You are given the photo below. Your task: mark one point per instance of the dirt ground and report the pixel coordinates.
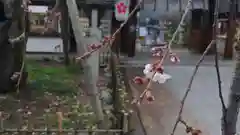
(54, 92)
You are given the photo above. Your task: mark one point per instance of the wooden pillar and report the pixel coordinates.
(228, 51)
(65, 31)
(128, 33)
(115, 25)
(211, 7)
(200, 31)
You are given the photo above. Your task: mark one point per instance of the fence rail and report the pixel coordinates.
(27, 130)
(61, 131)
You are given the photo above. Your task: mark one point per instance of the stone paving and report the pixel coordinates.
(203, 108)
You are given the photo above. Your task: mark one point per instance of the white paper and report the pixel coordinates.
(142, 31)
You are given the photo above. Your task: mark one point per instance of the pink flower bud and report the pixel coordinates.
(174, 58)
(94, 47)
(156, 49)
(159, 69)
(150, 98)
(138, 80)
(157, 54)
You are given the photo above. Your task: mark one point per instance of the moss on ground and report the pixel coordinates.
(53, 77)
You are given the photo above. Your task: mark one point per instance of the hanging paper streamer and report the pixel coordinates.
(122, 10)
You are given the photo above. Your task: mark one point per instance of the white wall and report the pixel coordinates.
(41, 44)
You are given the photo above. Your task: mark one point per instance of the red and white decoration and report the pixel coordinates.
(122, 10)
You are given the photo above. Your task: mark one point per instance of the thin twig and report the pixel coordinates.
(168, 50)
(224, 109)
(20, 76)
(17, 39)
(190, 85)
(112, 38)
(184, 123)
(216, 59)
(23, 57)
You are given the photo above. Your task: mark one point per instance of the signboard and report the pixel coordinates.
(122, 10)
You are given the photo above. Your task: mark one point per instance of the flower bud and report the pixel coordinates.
(156, 49)
(174, 58)
(157, 54)
(159, 69)
(149, 96)
(138, 80)
(196, 132)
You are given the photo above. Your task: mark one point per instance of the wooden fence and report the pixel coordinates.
(25, 130)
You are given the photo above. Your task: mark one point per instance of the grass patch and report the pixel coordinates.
(54, 89)
(53, 77)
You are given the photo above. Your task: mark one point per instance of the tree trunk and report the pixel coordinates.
(229, 128)
(65, 31)
(6, 58)
(11, 54)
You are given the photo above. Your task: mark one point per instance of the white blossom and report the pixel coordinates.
(158, 77)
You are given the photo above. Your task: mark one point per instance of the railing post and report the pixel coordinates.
(125, 123)
(1, 122)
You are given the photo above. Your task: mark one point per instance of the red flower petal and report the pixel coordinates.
(159, 69)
